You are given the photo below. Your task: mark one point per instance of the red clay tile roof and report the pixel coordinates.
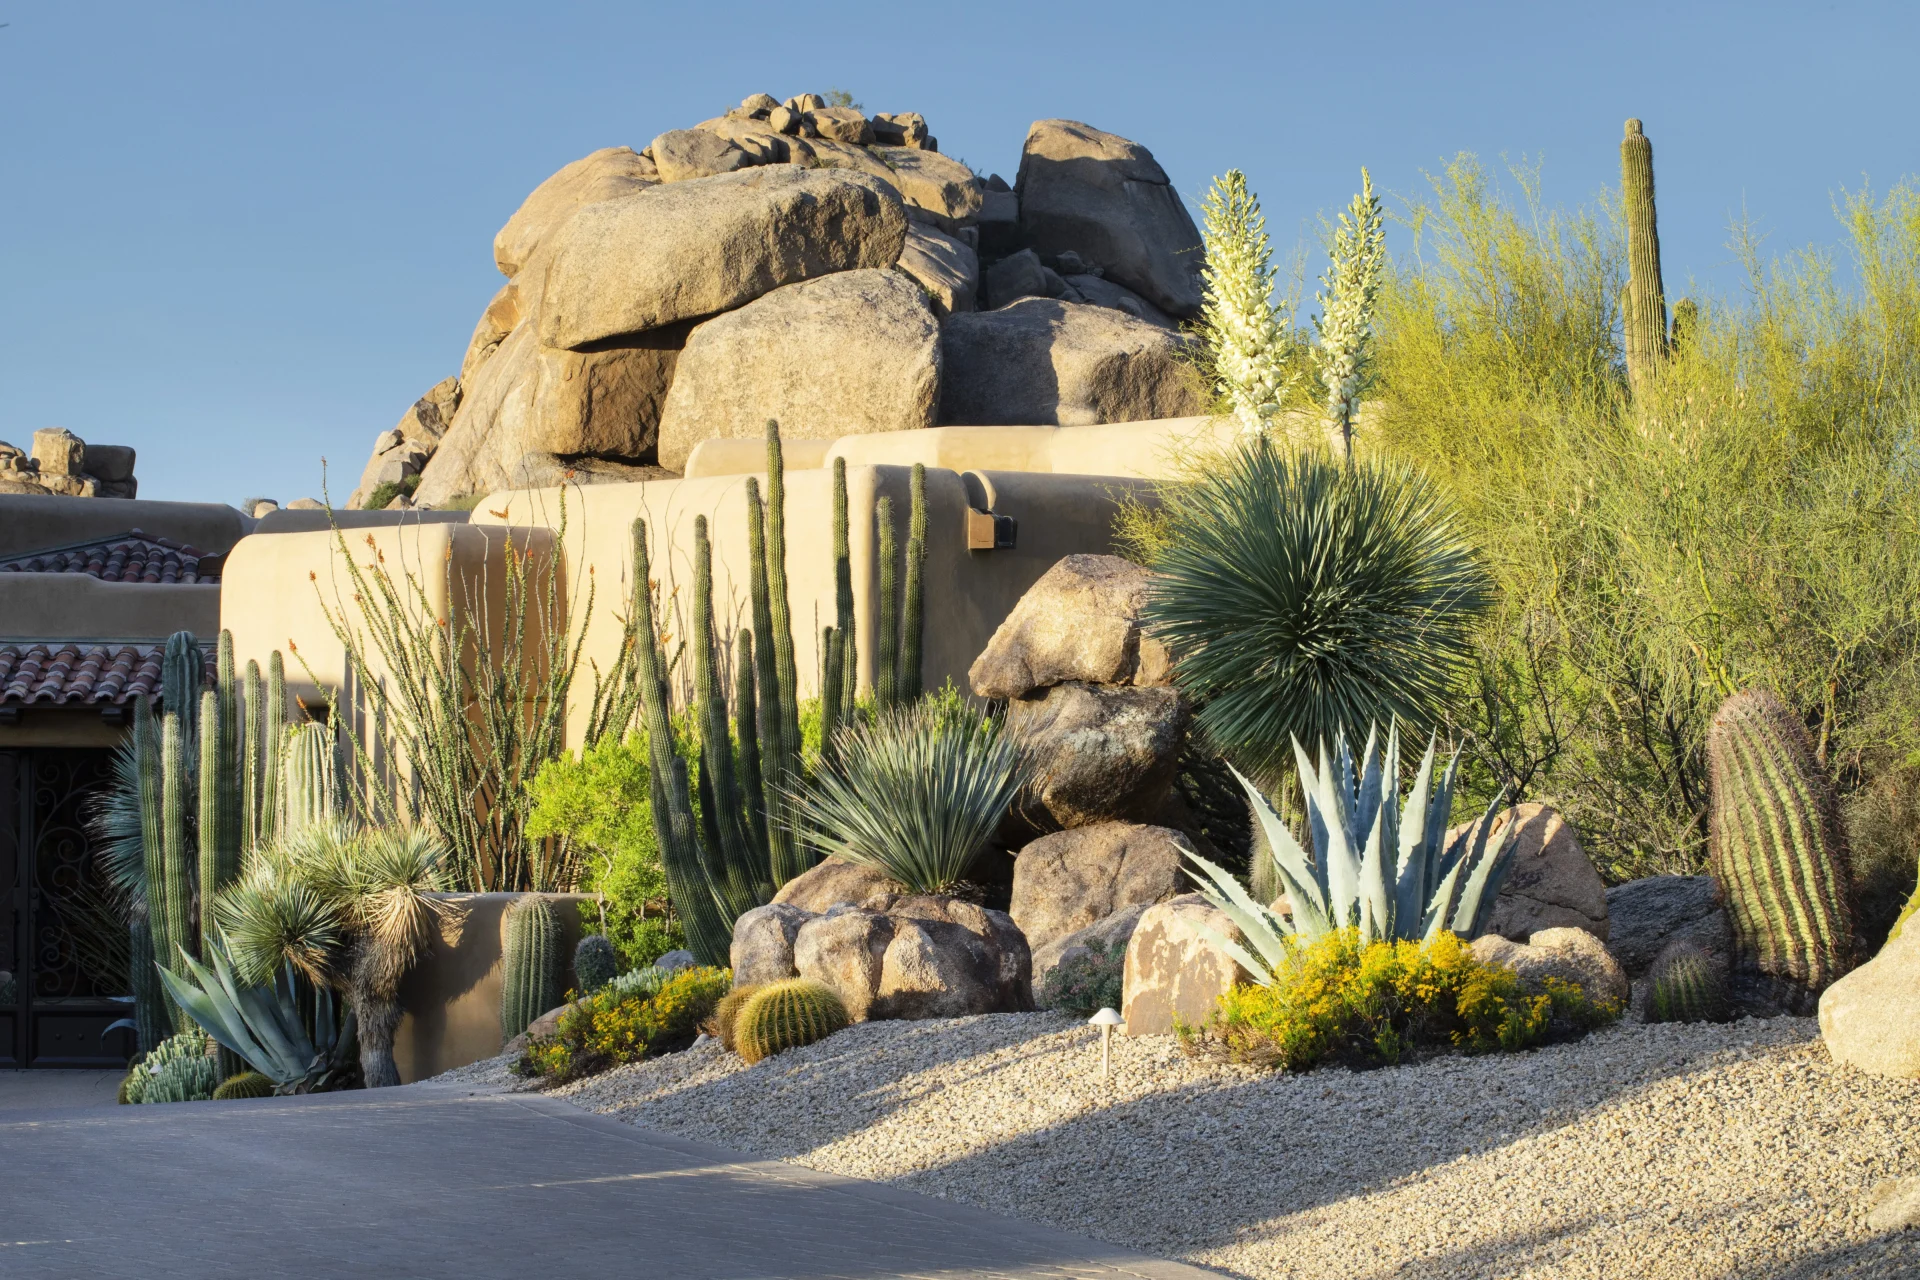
(132, 557)
(81, 675)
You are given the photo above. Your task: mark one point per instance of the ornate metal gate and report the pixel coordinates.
(63, 943)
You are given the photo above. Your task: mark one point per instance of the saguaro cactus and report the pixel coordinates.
(1778, 849)
(1646, 314)
(530, 964)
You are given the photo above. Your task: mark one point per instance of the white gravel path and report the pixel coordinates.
(1645, 1152)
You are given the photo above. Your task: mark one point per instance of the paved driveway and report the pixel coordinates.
(446, 1181)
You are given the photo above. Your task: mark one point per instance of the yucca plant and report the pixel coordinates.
(1298, 596)
(1388, 872)
(1249, 340)
(917, 792)
(1352, 286)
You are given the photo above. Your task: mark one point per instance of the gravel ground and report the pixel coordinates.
(1649, 1152)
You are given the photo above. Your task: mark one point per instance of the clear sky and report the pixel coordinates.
(243, 236)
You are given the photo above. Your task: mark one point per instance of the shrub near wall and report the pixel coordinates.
(610, 1027)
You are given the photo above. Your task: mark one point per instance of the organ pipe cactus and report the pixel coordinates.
(886, 634)
(1777, 848)
(530, 964)
(1389, 872)
(309, 782)
(786, 691)
(248, 715)
(175, 896)
(182, 670)
(912, 614)
(843, 624)
(273, 717)
(1646, 312)
(787, 1015)
(779, 755)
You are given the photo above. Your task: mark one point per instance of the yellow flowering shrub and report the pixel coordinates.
(610, 1027)
(1368, 1004)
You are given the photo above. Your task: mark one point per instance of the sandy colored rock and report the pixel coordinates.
(110, 463)
(1042, 362)
(417, 434)
(495, 408)
(1021, 275)
(1080, 621)
(1097, 292)
(606, 401)
(1106, 198)
(1643, 916)
(1871, 1017)
(853, 352)
(1111, 934)
(690, 249)
(841, 124)
(1071, 880)
(59, 452)
(1571, 955)
(917, 956)
(762, 143)
(604, 175)
(763, 944)
(1176, 966)
(1894, 1204)
(942, 188)
(899, 129)
(945, 267)
(831, 882)
(500, 318)
(684, 154)
(1099, 753)
(1550, 883)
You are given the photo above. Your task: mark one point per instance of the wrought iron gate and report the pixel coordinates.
(63, 945)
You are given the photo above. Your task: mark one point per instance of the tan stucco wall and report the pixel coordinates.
(75, 606)
(29, 522)
(452, 996)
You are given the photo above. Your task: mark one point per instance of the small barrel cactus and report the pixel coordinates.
(247, 1084)
(726, 1015)
(1684, 985)
(787, 1015)
(530, 981)
(594, 963)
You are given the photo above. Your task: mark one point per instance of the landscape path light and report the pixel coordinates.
(1106, 1020)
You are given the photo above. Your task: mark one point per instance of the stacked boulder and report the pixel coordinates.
(813, 264)
(1091, 698)
(62, 463)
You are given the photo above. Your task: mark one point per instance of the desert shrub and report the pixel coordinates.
(611, 1027)
(1367, 1004)
(1746, 518)
(1883, 834)
(1298, 595)
(916, 791)
(1087, 981)
(599, 803)
(387, 490)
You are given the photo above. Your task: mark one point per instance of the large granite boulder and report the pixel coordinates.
(415, 436)
(1043, 362)
(1643, 916)
(763, 942)
(1098, 292)
(851, 352)
(1176, 966)
(831, 882)
(684, 154)
(1568, 954)
(917, 956)
(1080, 621)
(606, 174)
(1551, 883)
(689, 249)
(1099, 753)
(495, 413)
(1110, 934)
(1871, 1017)
(607, 401)
(1107, 199)
(945, 267)
(1070, 880)
(937, 188)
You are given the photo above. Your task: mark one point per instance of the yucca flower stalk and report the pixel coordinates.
(1247, 335)
(1352, 286)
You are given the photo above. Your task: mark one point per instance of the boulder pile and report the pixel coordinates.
(810, 263)
(63, 463)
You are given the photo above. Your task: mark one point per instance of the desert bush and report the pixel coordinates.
(917, 791)
(610, 1027)
(1088, 981)
(1343, 1000)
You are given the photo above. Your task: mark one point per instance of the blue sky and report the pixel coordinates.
(242, 237)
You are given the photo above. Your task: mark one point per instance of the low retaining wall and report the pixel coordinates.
(452, 996)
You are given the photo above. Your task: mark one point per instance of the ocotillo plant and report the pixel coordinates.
(1778, 849)
(529, 965)
(1646, 314)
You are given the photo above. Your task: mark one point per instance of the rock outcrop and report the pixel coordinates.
(1871, 1017)
(1098, 752)
(831, 882)
(1072, 880)
(62, 463)
(1080, 621)
(647, 302)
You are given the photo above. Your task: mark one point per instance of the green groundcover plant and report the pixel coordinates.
(614, 1026)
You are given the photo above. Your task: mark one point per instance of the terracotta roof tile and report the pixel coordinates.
(131, 557)
(81, 675)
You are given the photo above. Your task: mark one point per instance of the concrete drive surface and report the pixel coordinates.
(449, 1181)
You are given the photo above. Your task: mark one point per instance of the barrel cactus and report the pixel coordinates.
(1778, 851)
(1684, 985)
(787, 1015)
(530, 982)
(594, 963)
(248, 1084)
(726, 1015)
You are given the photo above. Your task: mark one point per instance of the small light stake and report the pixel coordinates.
(1106, 1020)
